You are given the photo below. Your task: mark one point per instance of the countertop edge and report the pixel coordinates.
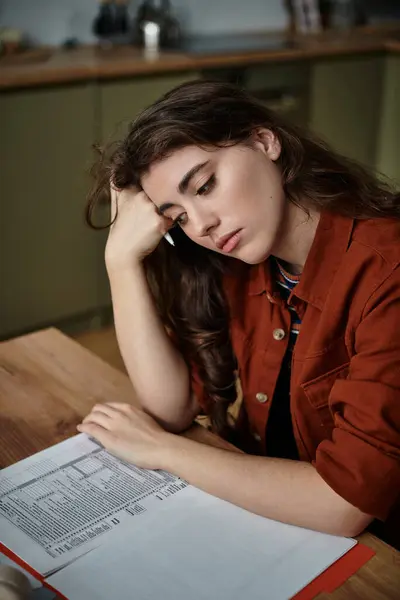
(92, 68)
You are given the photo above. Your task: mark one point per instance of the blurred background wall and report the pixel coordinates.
(52, 21)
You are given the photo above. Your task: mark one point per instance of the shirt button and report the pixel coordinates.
(278, 334)
(262, 398)
(257, 437)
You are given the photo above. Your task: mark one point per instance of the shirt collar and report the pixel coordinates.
(330, 244)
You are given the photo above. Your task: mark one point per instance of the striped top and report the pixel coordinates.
(287, 282)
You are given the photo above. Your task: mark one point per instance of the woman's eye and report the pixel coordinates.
(206, 187)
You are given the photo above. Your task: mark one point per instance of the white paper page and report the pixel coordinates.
(62, 502)
(198, 548)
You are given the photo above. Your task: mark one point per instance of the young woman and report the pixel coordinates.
(285, 277)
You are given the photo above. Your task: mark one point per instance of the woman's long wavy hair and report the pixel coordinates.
(186, 280)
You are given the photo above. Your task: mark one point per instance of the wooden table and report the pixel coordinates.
(48, 382)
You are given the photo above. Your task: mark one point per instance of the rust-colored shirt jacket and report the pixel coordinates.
(345, 382)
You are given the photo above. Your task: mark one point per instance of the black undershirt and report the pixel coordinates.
(279, 439)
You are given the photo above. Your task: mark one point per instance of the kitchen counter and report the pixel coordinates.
(57, 66)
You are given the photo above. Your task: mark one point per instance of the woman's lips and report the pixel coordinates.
(231, 243)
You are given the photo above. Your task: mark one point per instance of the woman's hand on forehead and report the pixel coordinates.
(119, 196)
(136, 230)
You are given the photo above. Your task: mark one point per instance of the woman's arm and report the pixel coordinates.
(157, 370)
(284, 490)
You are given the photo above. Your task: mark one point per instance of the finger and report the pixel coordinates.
(130, 194)
(106, 409)
(118, 198)
(167, 224)
(98, 433)
(120, 407)
(100, 419)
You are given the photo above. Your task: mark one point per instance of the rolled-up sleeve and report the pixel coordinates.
(361, 461)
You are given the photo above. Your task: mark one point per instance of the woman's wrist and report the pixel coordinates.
(173, 450)
(117, 267)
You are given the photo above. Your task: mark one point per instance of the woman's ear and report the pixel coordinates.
(266, 141)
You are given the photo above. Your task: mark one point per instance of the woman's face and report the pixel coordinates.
(229, 200)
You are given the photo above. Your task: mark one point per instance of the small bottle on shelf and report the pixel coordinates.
(104, 23)
(121, 18)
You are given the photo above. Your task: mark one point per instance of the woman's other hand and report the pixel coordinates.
(129, 433)
(136, 230)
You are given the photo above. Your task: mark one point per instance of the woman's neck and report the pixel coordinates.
(296, 237)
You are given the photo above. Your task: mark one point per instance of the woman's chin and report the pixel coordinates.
(253, 257)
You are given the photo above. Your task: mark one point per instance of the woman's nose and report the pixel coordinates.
(204, 224)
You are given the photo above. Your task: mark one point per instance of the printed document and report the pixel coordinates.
(97, 528)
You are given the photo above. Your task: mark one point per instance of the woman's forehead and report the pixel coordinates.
(182, 159)
(168, 172)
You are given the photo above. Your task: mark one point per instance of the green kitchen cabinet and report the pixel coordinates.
(388, 147)
(122, 100)
(51, 263)
(346, 98)
(284, 88)
(281, 87)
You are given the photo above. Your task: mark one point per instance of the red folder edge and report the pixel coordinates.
(332, 578)
(339, 572)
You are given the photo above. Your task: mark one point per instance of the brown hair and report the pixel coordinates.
(186, 280)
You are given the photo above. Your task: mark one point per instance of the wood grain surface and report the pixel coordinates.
(48, 382)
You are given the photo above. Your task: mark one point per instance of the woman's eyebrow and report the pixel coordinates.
(184, 183)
